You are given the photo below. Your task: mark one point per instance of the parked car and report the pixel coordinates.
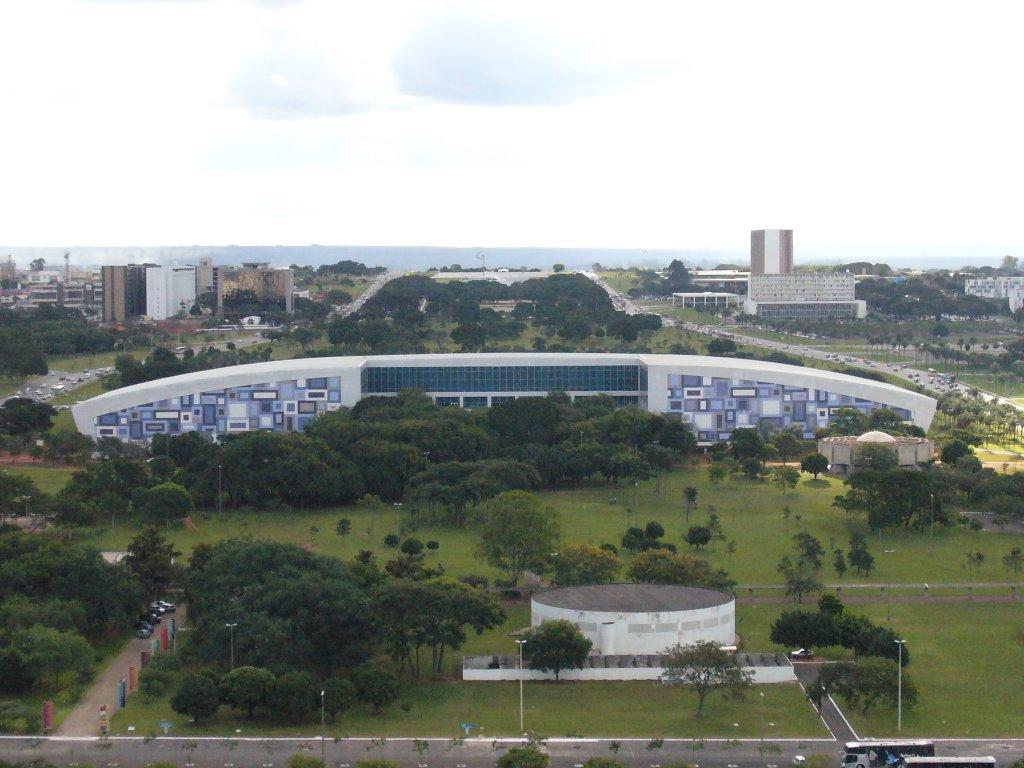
(143, 632)
(803, 653)
(140, 624)
(167, 607)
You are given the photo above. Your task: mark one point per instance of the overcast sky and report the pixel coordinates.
(867, 127)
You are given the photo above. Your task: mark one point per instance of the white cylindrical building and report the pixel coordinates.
(640, 618)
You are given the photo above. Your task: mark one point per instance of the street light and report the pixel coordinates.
(231, 628)
(323, 730)
(899, 686)
(220, 503)
(761, 694)
(931, 519)
(521, 643)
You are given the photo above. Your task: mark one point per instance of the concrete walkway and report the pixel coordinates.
(84, 719)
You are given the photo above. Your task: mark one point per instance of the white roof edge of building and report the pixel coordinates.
(86, 412)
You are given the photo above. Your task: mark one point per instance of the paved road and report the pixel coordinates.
(83, 720)
(239, 751)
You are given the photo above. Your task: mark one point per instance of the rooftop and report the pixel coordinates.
(632, 598)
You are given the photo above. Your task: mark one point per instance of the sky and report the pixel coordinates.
(869, 128)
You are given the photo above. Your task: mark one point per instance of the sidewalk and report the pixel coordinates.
(84, 719)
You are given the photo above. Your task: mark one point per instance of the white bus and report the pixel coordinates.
(878, 754)
(949, 762)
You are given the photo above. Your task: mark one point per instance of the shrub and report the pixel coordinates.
(412, 546)
(433, 546)
(391, 540)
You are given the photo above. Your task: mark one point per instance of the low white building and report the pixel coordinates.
(640, 618)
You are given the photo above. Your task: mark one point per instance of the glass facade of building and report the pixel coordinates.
(506, 378)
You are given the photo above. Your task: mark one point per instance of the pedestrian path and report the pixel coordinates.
(84, 719)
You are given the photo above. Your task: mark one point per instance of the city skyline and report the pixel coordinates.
(886, 130)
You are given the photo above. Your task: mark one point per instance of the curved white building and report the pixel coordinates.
(640, 618)
(714, 395)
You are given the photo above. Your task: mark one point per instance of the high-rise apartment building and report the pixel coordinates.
(771, 251)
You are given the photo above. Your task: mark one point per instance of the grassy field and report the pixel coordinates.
(47, 479)
(751, 515)
(552, 709)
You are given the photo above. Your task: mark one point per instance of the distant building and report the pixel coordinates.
(804, 296)
(169, 290)
(841, 452)
(8, 271)
(706, 299)
(1001, 287)
(124, 292)
(771, 251)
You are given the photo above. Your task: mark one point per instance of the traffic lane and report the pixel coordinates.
(240, 750)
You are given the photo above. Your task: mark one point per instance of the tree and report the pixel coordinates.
(839, 563)
(717, 472)
(25, 416)
(294, 695)
(704, 667)
(787, 444)
(875, 456)
(376, 686)
(690, 494)
(558, 268)
(800, 577)
(659, 566)
(339, 695)
(859, 558)
(585, 564)
(809, 550)
(557, 645)
(803, 629)
(48, 653)
(873, 681)
(698, 536)
(412, 546)
(785, 478)
(746, 443)
(166, 502)
(344, 527)
(197, 697)
(954, 450)
(814, 464)
(1014, 560)
(523, 757)
(246, 688)
(150, 559)
(517, 534)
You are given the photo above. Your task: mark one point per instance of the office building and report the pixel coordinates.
(124, 292)
(1000, 287)
(806, 296)
(712, 395)
(169, 291)
(771, 251)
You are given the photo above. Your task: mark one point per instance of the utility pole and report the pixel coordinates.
(899, 687)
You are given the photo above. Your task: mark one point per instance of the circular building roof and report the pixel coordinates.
(632, 598)
(876, 437)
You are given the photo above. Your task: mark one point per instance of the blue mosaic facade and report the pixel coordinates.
(716, 406)
(280, 406)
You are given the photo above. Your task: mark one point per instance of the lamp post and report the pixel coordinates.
(899, 686)
(931, 521)
(323, 729)
(520, 643)
(761, 750)
(220, 503)
(231, 629)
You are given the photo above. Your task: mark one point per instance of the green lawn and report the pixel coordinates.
(552, 709)
(47, 479)
(751, 514)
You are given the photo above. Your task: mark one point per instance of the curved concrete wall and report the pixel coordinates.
(645, 633)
